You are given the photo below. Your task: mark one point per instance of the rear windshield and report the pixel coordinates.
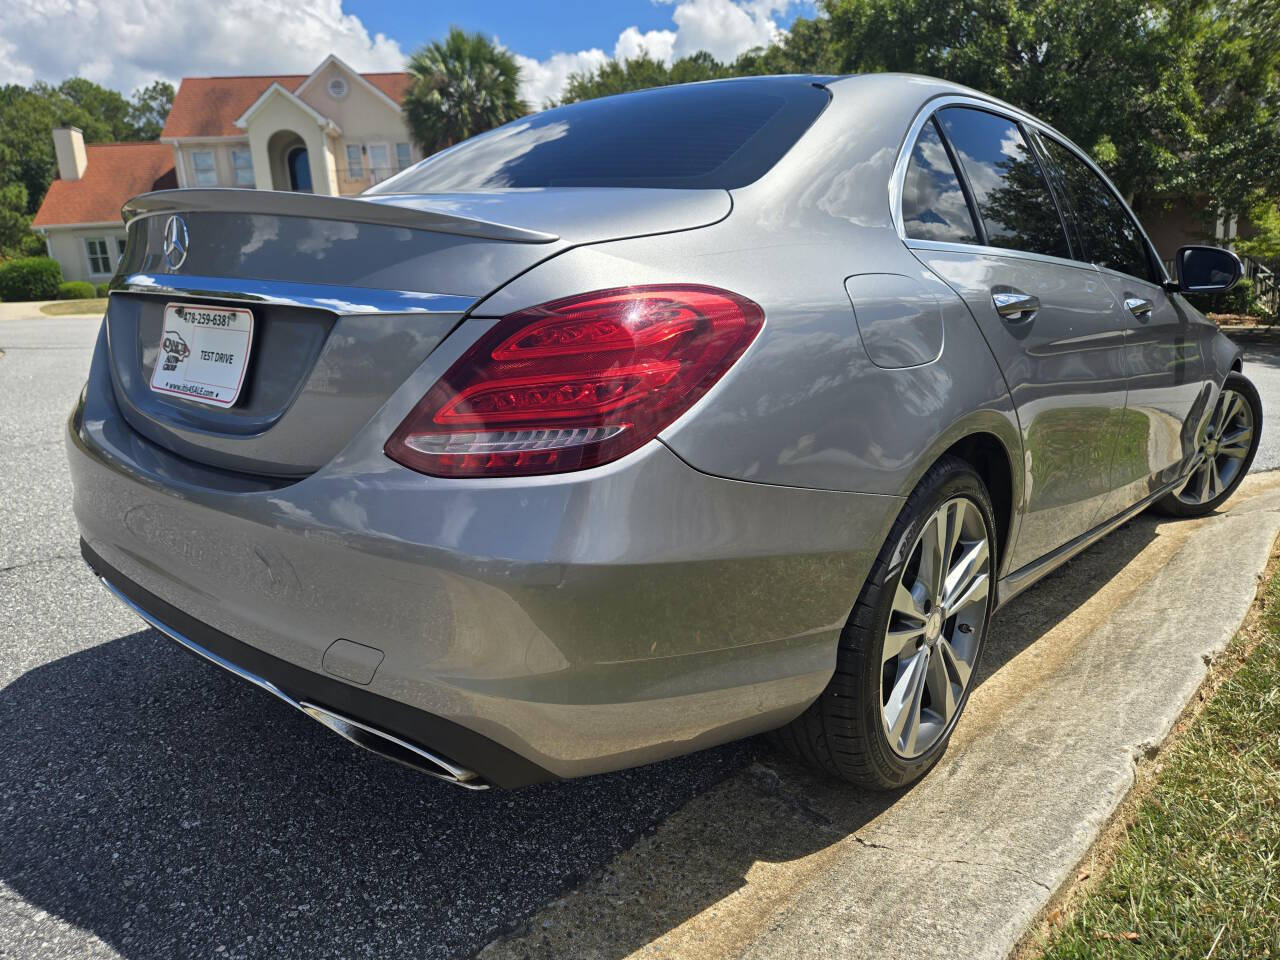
(723, 135)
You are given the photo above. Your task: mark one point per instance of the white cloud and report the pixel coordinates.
(659, 44)
(724, 28)
(125, 44)
(542, 80)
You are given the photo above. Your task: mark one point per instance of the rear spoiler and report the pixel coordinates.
(412, 212)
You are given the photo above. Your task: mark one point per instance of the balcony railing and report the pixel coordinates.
(356, 179)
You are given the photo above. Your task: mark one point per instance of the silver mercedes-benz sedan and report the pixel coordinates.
(646, 423)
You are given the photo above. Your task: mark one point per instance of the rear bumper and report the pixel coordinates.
(553, 627)
(382, 725)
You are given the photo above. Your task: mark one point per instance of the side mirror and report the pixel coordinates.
(1207, 269)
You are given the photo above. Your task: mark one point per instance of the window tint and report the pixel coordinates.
(1013, 199)
(933, 203)
(707, 135)
(1108, 234)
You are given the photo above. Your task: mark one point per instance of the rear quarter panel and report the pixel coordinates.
(806, 406)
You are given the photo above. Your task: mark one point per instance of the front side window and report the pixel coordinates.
(242, 167)
(355, 161)
(1110, 236)
(1004, 176)
(99, 258)
(206, 171)
(933, 203)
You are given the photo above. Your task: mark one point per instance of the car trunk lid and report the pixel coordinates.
(347, 296)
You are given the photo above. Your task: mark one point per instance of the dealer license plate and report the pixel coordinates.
(204, 352)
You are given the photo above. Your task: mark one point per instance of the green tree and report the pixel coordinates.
(149, 109)
(641, 72)
(806, 48)
(1264, 244)
(463, 85)
(27, 119)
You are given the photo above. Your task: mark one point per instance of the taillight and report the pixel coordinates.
(576, 382)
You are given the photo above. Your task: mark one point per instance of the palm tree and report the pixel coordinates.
(462, 86)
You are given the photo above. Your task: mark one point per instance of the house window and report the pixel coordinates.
(403, 159)
(337, 88)
(242, 167)
(206, 172)
(121, 244)
(355, 161)
(99, 258)
(379, 161)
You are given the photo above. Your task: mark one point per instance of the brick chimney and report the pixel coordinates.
(68, 144)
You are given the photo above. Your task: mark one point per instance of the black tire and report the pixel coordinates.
(842, 732)
(1174, 504)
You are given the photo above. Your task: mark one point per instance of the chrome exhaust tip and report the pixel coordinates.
(393, 748)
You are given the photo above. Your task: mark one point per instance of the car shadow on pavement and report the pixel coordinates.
(172, 810)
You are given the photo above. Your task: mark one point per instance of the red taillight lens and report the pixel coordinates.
(576, 382)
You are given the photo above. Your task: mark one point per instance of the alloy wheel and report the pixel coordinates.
(935, 628)
(1224, 447)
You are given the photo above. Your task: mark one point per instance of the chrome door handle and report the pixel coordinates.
(1138, 307)
(1014, 304)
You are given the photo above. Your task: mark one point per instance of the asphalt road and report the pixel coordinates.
(152, 806)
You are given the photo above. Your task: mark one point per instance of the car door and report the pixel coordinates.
(1166, 372)
(1050, 320)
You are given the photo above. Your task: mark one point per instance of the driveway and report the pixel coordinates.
(152, 807)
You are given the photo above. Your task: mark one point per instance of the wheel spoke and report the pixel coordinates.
(959, 668)
(1231, 409)
(1203, 481)
(1237, 445)
(975, 591)
(971, 564)
(907, 601)
(903, 709)
(943, 695)
(901, 642)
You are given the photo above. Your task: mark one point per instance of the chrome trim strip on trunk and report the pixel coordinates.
(317, 296)
(420, 213)
(370, 738)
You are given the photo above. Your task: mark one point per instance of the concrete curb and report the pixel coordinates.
(1083, 674)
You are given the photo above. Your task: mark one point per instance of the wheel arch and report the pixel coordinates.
(991, 444)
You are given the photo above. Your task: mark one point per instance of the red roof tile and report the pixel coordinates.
(210, 106)
(116, 173)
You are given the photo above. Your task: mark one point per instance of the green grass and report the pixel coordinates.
(1198, 871)
(67, 308)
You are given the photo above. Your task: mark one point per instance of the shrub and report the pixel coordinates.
(31, 278)
(1240, 299)
(76, 290)
(103, 289)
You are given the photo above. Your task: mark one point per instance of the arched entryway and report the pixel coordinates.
(290, 162)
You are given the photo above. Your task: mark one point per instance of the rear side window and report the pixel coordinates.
(1004, 176)
(933, 203)
(723, 135)
(1110, 236)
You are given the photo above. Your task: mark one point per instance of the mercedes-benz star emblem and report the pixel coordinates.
(175, 242)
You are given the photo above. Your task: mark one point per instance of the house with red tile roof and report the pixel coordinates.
(332, 131)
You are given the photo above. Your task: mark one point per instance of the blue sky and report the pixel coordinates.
(533, 29)
(124, 44)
